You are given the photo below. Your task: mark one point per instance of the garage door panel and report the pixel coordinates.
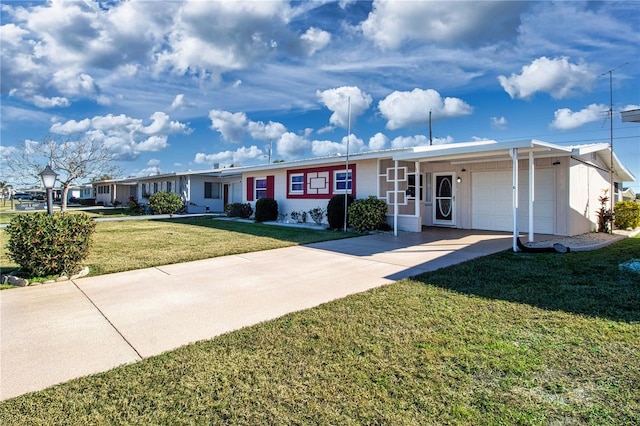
(491, 204)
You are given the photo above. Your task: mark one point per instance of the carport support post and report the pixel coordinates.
(513, 152)
(395, 198)
(531, 194)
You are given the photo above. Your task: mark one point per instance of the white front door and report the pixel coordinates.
(444, 199)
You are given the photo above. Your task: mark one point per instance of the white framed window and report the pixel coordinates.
(342, 182)
(212, 190)
(260, 188)
(296, 183)
(428, 191)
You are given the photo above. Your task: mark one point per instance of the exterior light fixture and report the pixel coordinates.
(48, 177)
(459, 179)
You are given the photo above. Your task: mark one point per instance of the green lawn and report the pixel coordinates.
(531, 339)
(134, 244)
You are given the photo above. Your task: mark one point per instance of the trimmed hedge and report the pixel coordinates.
(368, 214)
(335, 210)
(46, 245)
(627, 214)
(165, 203)
(266, 210)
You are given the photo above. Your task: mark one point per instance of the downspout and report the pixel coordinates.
(513, 152)
(531, 194)
(395, 198)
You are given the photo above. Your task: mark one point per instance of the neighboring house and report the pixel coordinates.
(201, 191)
(114, 191)
(521, 186)
(628, 194)
(80, 192)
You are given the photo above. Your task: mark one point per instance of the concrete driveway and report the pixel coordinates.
(56, 332)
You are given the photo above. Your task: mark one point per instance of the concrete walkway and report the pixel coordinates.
(56, 332)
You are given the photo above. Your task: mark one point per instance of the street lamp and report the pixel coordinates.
(49, 180)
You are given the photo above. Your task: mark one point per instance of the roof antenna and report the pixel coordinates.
(430, 132)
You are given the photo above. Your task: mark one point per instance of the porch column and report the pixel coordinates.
(416, 198)
(395, 198)
(513, 152)
(531, 194)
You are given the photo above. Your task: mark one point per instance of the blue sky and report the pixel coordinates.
(178, 85)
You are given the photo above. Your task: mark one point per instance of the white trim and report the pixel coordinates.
(513, 152)
(531, 194)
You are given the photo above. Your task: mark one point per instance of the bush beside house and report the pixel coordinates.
(335, 210)
(243, 211)
(165, 203)
(266, 210)
(627, 214)
(368, 214)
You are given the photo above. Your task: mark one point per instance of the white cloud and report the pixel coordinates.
(378, 141)
(327, 148)
(236, 157)
(125, 136)
(499, 123)
(402, 109)
(630, 107)
(291, 145)
(326, 129)
(391, 22)
(230, 125)
(270, 131)
(154, 162)
(558, 77)
(337, 100)
(566, 119)
(54, 102)
(179, 102)
(70, 127)
(417, 140)
(315, 39)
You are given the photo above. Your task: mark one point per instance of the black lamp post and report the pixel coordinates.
(49, 180)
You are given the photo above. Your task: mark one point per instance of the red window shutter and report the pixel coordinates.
(249, 189)
(270, 186)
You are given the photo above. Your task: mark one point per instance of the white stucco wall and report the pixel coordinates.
(589, 184)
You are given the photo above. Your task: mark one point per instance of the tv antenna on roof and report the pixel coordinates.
(610, 72)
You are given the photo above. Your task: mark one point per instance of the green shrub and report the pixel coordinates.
(368, 214)
(135, 208)
(243, 211)
(266, 209)
(45, 244)
(317, 215)
(335, 210)
(165, 203)
(627, 214)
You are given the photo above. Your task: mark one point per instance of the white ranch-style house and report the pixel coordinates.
(521, 186)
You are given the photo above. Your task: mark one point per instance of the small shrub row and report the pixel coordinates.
(243, 211)
(46, 245)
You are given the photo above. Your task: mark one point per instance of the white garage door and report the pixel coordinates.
(492, 209)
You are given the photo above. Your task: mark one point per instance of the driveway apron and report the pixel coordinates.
(52, 333)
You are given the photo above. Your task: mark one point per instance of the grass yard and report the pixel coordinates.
(126, 245)
(506, 339)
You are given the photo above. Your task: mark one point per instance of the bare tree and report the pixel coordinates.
(74, 159)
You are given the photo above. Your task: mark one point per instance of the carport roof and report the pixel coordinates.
(490, 150)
